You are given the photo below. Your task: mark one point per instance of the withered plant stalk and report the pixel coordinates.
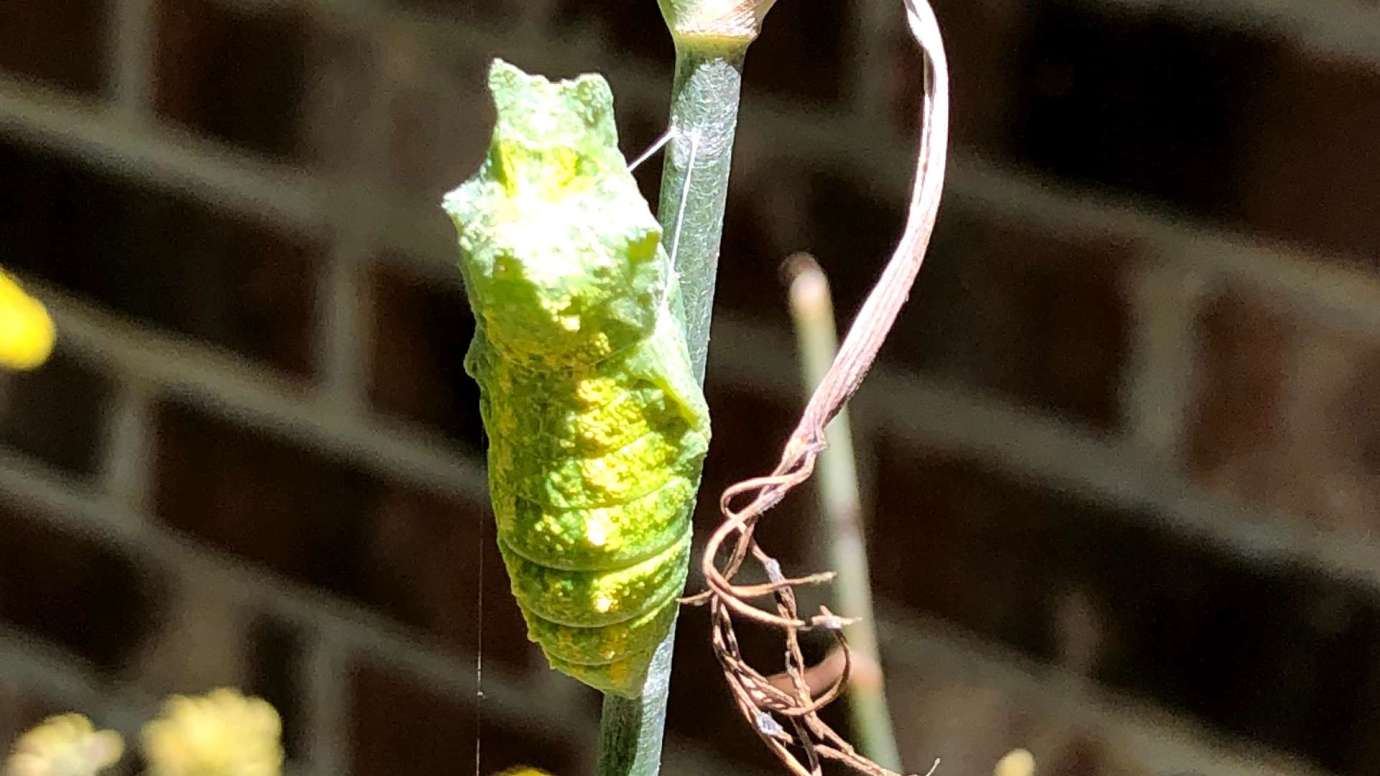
(787, 721)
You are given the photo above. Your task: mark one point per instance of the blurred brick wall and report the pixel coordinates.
(1123, 453)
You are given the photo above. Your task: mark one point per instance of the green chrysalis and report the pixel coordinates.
(597, 428)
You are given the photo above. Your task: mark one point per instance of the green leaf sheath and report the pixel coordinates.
(597, 427)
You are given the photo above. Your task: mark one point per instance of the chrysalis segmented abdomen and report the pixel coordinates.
(597, 428)
(593, 495)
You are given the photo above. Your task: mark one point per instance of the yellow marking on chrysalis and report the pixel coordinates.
(607, 417)
(603, 603)
(27, 333)
(630, 471)
(597, 531)
(555, 170)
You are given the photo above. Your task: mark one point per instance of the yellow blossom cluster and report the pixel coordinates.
(26, 330)
(65, 745)
(222, 733)
(1017, 762)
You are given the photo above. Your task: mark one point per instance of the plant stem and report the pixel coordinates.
(812, 310)
(694, 189)
(631, 729)
(694, 178)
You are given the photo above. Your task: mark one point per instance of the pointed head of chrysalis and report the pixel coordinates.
(558, 248)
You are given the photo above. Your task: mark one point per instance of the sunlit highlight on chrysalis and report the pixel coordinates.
(597, 428)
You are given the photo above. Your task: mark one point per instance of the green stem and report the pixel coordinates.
(694, 190)
(694, 178)
(631, 729)
(812, 309)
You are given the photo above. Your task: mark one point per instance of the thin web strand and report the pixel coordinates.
(479, 656)
(657, 145)
(684, 198)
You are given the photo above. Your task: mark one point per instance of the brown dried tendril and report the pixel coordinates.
(787, 720)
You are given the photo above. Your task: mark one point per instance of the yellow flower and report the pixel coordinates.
(222, 733)
(26, 331)
(522, 770)
(65, 745)
(1017, 762)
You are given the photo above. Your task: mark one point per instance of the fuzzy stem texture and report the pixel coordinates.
(694, 190)
(694, 179)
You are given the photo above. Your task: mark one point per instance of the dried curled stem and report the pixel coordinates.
(787, 720)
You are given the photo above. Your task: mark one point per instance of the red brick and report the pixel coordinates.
(767, 202)
(1148, 102)
(202, 641)
(212, 637)
(421, 569)
(1312, 168)
(1277, 653)
(398, 721)
(160, 257)
(853, 227)
(335, 133)
(750, 428)
(954, 539)
(56, 413)
(630, 30)
(496, 12)
(439, 117)
(21, 708)
(290, 509)
(983, 42)
(277, 675)
(1284, 414)
(89, 599)
(324, 522)
(1041, 318)
(971, 714)
(804, 56)
(1240, 390)
(236, 75)
(62, 44)
(778, 205)
(420, 335)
